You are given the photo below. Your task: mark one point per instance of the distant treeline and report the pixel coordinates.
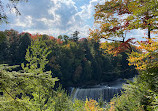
(76, 62)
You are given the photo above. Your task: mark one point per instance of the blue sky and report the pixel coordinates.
(53, 17)
(56, 17)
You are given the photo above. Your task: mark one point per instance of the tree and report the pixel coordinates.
(64, 38)
(2, 36)
(36, 56)
(145, 17)
(116, 17)
(75, 36)
(30, 89)
(12, 37)
(3, 13)
(148, 56)
(24, 42)
(12, 6)
(4, 47)
(141, 94)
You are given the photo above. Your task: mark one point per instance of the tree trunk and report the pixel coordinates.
(149, 32)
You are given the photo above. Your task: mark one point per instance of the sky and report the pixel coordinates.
(56, 17)
(53, 17)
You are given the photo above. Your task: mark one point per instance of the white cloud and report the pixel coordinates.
(53, 17)
(63, 12)
(58, 17)
(88, 10)
(27, 22)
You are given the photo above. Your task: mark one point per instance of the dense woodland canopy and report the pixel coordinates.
(75, 62)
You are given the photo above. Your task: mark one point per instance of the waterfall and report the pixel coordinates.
(106, 93)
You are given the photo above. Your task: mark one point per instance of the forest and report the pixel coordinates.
(75, 62)
(37, 69)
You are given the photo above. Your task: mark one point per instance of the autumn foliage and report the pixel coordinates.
(92, 105)
(117, 47)
(148, 55)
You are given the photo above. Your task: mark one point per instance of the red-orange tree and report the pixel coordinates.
(117, 17)
(148, 56)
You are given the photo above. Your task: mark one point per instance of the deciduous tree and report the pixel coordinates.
(116, 17)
